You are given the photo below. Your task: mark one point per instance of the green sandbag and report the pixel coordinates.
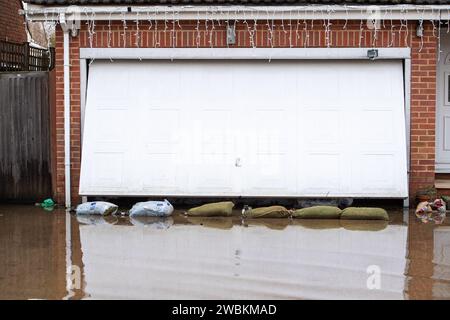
(318, 212)
(218, 209)
(267, 212)
(353, 213)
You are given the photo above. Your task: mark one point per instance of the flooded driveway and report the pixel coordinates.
(220, 258)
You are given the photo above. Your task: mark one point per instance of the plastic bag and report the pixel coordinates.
(97, 208)
(152, 209)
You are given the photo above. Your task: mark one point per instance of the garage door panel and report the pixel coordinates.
(155, 178)
(108, 169)
(326, 178)
(377, 172)
(319, 85)
(377, 127)
(214, 174)
(245, 128)
(323, 128)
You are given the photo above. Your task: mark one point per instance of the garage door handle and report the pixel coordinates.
(238, 162)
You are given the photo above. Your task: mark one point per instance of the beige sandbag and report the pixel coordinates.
(354, 213)
(218, 209)
(318, 212)
(266, 212)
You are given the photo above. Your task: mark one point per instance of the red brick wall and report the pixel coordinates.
(186, 35)
(12, 27)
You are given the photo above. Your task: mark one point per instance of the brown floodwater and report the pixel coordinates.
(55, 255)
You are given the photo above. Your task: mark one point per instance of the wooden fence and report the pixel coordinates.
(23, 57)
(25, 136)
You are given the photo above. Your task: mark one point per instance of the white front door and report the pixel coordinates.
(443, 109)
(245, 128)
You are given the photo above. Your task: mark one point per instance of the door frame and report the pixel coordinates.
(442, 98)
(88, 55)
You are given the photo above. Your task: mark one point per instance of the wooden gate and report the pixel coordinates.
(25, 138)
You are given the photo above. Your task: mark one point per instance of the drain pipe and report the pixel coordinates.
(66, 31)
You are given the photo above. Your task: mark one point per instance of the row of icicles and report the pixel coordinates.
(296, 29)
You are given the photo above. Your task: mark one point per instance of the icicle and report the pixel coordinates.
(327, 26)
(255, 32)
(361, 30)
(197, 28)
(137, 34)
(407, 30)
(400, 29)
(439, 37)
(346, 17)
(433, 23)
(211, 34)
(306, 32)
(282, 24)
(290, 29)
(124, 21)
(421, 38)
(297, 28)
(174, 33)
(91, 31)
(391, 43)
(109, 31)
(269, 30)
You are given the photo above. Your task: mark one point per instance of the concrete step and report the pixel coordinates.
(442, 183)
(442, 186)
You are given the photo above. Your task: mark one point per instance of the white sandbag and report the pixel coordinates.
(97, 208)
(152, 209)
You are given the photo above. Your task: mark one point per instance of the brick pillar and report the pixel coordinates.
(423, 110)
(75, 115)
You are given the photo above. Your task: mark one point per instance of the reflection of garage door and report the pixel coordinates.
(250, 128)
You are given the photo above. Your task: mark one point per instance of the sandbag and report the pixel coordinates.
(318, 212)
(354, 213)
(97, 208)
(218, 209)
(152, 209)
(266, 212)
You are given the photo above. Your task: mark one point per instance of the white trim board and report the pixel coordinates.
(241, 53)
(239, 12)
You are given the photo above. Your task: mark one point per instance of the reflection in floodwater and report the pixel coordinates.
(220, 258)
(198, 261)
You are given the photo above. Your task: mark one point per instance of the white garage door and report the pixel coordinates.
(245, 128)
